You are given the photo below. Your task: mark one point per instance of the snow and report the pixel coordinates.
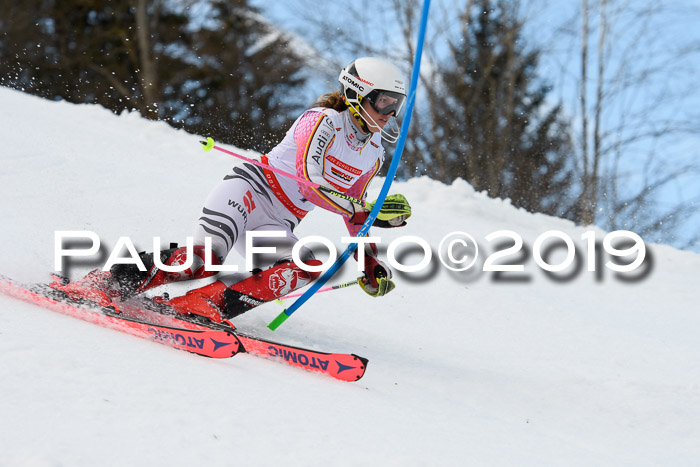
(464, 369)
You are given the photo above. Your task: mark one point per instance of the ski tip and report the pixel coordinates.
(277, 322)
(207, 145)
(364, 360)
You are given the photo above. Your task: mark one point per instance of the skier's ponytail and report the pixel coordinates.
(332, 100)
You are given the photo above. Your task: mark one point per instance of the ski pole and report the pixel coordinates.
(324, 289)
(208, 145)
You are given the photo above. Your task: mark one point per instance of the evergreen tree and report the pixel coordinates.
(491, 122)
(245, 82)
(220, 72)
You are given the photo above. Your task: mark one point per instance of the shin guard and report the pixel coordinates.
(265, 286)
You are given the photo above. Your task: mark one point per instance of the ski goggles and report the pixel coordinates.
(386, 102)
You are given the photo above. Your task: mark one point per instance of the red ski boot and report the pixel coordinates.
(206, 301)
(231, 297)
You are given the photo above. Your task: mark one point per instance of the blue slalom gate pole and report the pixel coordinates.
(284, 315)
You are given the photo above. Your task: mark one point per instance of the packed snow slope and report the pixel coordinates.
(472, 368)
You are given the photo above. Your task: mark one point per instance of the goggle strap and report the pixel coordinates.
(354, 110)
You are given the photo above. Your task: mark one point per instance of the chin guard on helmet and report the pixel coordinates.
(355, 112)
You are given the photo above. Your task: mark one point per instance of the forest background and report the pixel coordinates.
(586, 110)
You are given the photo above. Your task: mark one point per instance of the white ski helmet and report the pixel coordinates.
(381, 83)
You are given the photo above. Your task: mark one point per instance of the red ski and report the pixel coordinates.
(207, 342)
(342, 366)
(345, 367)
(143, 318)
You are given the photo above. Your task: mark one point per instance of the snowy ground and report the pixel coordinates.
(465, 369)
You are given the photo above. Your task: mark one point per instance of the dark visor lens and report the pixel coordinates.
(386, 102)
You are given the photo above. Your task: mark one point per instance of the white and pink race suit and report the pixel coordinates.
(323, 146)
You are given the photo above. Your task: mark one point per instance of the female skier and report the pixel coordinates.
(335, 144)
